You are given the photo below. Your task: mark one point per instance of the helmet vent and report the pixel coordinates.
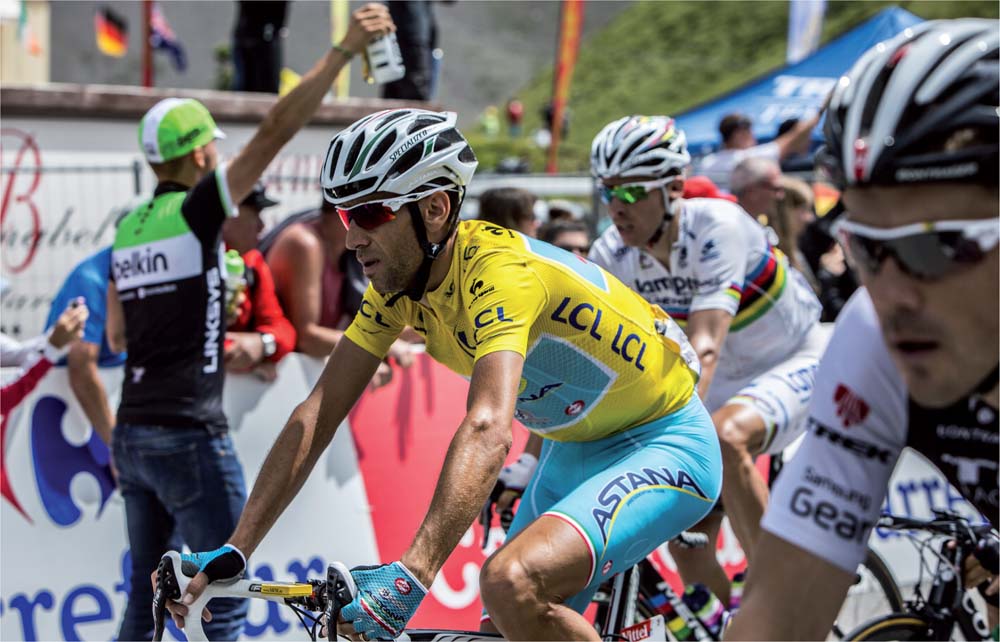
(396, 115)
(381, 149)
(353, 152)
(422, 123)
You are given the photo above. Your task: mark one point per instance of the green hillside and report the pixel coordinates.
(664, 57)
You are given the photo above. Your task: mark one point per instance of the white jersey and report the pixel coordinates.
(829, 496)
(722, 260)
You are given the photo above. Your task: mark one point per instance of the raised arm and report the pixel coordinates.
(296, 108)
(115, 324)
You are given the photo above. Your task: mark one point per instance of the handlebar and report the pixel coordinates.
(979, 539)
(173, 577)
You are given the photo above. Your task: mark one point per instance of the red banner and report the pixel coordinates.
(571, 26)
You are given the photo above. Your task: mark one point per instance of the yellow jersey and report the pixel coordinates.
(598, 358)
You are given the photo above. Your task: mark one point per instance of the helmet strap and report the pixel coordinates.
(668, 215)
(418, 286)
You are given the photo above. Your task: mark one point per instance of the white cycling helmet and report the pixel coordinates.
(893, 118)
(639, 146)
(401, 151)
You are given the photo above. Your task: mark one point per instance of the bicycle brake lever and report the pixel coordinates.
(340, 591)
(167, 588)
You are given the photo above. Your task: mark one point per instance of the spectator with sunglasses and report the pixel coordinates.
(572, 236)
(911, 137)
(751, 317)
(602, 376)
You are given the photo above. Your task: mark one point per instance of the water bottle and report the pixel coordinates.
(235, 280)
(706, 606)
(383, 62)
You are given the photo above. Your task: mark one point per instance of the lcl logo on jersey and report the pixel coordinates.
(851, 408)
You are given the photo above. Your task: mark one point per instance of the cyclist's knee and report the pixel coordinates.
(505, 578)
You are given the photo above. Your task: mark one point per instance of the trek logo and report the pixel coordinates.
(859, 447)
(544, 390)
(213, 321)
(851, 408)
(621, 488)
(140, 263)
(844, 524)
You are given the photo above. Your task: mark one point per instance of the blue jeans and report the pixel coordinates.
(179, 485)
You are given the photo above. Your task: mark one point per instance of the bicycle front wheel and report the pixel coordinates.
(895, 626)
(873, 594)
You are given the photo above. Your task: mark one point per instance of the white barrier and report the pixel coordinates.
(62, 572)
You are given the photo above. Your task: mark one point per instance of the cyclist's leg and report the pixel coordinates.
(149, 527)
(540, 495)
(765, 416)
(701, 564)
(205, 524)
(642, 488)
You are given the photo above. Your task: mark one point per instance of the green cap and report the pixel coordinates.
(174, 127)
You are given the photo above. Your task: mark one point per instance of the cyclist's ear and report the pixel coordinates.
(436, 209)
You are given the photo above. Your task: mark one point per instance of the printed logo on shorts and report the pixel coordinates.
(575, 408)
(607, 567)
(403, 586)
(851, 408)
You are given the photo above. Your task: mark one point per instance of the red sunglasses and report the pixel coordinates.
(370, 215)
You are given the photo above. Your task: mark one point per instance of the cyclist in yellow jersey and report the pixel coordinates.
(630, 457)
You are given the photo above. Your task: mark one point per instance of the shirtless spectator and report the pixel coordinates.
(319, 283)
(260, 335)
(510, 207)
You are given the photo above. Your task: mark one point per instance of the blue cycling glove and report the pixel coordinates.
(386, 598)
(225, 564)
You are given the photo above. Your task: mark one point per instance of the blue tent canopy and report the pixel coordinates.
(792, 91)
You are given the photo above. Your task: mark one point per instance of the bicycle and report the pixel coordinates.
(947, 604)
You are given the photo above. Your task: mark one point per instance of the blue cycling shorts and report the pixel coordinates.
(628, 493)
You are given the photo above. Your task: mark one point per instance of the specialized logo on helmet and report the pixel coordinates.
(410, 142)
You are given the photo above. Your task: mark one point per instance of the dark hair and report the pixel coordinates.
(551, 230)
(506, 206)
(731, 123)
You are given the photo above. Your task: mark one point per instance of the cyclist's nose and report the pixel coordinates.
(894, 288)
(356, 237)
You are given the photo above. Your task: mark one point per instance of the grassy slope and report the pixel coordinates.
(663, 57)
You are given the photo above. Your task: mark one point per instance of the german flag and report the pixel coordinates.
(112, 33)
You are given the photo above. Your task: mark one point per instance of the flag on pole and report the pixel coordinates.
(25, 34)
(805, 26)
(111, 31)
(571, 25)
(162, 37)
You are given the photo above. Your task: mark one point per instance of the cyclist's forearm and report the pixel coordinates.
(470, 470)
(89, 391)
(305, 436)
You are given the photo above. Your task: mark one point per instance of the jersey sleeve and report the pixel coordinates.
(376, 325)
(507, 297)
(720, 264)
(208, 203)
(829, 496)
